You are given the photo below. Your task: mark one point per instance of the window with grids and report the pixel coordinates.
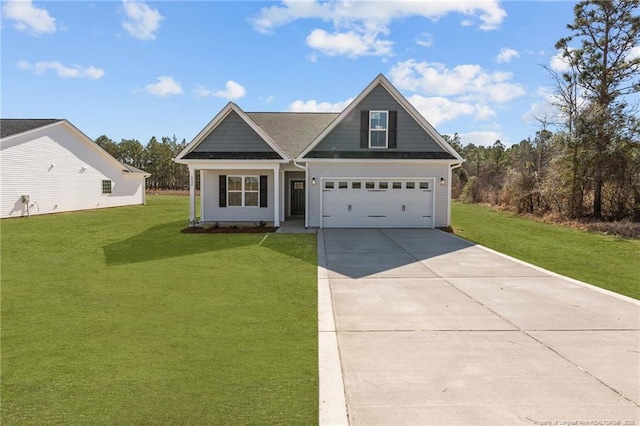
(378, 129)
(243, 191)
(106, 187)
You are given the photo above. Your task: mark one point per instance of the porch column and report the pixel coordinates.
(276, 195)
(283, 196)
(202, 195)
(192, 196)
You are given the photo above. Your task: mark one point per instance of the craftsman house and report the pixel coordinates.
(378, 163)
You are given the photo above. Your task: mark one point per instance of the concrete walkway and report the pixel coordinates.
(418, 327)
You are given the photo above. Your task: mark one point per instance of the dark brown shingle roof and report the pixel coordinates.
(13, 126)
(292, 131)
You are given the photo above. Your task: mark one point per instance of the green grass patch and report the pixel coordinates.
(609, 262)
(115, 317)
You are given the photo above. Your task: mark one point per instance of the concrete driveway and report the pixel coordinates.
(419, 327)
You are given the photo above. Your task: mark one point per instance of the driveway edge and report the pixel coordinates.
(332, 403)
(554, 274)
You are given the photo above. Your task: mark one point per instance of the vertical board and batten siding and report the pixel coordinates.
(321, 170)
(233, 134)
(214, 213)
(410, 136)
(61, 172)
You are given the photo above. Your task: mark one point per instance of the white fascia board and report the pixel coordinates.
(217, 120)
(231, 165)
(381, 161)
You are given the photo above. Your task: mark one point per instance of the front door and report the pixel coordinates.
(297, 198)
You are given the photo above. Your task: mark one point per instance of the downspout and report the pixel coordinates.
(306, 192)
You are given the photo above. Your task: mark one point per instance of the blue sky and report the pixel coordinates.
(133, 70)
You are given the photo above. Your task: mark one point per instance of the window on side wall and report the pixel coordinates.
(106, 187)
(243, 191)
(378, 129)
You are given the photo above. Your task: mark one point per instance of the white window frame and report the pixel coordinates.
(385, 130)
(243, 190)
(110, 191)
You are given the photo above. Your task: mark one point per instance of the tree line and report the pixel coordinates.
(589, 165)
(156, 158)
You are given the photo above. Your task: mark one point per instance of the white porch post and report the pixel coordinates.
(202, 195)
(276, 195)
(283, 195)
(192, 196)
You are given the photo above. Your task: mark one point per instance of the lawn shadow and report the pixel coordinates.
(165, 241)
(297, 246)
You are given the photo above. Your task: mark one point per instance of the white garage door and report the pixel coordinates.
(377, 203)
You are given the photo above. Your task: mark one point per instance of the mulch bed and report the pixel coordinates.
(228, 229)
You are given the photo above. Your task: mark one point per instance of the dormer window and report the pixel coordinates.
(378, 129)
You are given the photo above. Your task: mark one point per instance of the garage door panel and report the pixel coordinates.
(375, 203)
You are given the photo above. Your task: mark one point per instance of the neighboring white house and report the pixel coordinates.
(378, 163)
(49, 166)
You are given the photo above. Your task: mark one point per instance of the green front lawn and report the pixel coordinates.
(605, 261)
(115, 317)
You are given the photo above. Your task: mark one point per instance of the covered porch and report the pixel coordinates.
(240, 193)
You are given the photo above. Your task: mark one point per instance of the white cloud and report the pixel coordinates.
(559, 64)
(232, 91)
(542, 107)
(633, 53)
(315, 106)
(29, 18)
(141, 21)
(349, 43)
(506, 55)
(438, 110)
(425, 40)
(467, 82)
(374, 14)
(202, 92)
(165, 86)
(484, 112)
(484, 138)
(358, 25)
(63, 71)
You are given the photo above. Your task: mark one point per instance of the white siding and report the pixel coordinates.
(61, 172)
(214, 213)
(398, 169)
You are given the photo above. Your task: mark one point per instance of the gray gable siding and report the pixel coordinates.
(233, 134)
(410, 136)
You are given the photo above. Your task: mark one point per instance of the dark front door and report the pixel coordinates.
(297, 198)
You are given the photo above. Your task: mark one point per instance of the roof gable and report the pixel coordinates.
(231, 134)
(349, 118)
(22, 126)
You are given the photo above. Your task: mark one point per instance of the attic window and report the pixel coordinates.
(378, 129)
